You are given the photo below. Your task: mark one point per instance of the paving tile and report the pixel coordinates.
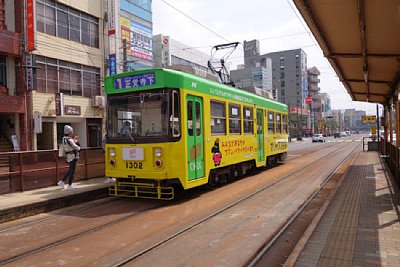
(360, 226)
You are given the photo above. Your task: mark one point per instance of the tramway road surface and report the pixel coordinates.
(225, 226)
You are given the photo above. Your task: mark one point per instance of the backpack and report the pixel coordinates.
(62, 153)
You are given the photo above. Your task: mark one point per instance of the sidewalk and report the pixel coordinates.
(23, 204)
(360, 227)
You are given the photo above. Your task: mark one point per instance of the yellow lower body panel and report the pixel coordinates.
(141, 190)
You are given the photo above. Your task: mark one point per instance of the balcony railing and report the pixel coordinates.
(392, 157)
(22, 171)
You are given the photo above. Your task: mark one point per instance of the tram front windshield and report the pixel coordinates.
(143, 116)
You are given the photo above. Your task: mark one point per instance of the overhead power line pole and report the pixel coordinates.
(124, 57)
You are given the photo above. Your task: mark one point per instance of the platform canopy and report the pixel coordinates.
(361, 39)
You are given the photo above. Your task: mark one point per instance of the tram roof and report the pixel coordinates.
(361, 40)
(169, 78)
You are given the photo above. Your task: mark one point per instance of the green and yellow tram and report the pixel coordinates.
(167, 127)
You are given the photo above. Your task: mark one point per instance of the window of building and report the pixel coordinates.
(271, 124)
(58, 76)
(278, 123)
(218, 118)
(248, 122)
(59, 20)
(3, 71)
(234, 119)
(285, 124)
(282, 83)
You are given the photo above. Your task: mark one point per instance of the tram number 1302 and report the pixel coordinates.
(134, 165)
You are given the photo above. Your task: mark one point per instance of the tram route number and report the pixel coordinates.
(134, 165)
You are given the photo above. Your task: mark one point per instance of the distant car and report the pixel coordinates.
(318, 138)
(336, 135)
(343, 134)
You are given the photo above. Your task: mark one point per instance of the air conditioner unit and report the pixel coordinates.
(98, 101)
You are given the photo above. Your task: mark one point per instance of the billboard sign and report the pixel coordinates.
(139, 37)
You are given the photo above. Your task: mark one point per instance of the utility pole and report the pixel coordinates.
(124, 57)
(377, 121)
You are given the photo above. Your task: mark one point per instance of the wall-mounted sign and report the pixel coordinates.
(30, 21)
(72, 110)
(37, 122)
(308, 100)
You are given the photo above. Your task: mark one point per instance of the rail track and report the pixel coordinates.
(256, 258)
(141, 212)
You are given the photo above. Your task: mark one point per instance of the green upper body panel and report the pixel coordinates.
(167, 78)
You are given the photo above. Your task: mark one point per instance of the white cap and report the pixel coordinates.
(68, 129)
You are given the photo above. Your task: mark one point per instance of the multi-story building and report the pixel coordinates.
(170, 52)
(67, 54)
(316, 103)
(289, 81)
(129, 34)
(260, 77)
(289, 78)
(336, 121)
(14, 98)
(289, 75)
(353, 120)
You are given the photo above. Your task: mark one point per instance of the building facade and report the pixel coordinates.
(259, 77)
(14, 98)
(67, 56)
(170, 52)
(129, 33)
(289, 79)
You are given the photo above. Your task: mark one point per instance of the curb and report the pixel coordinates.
(51, 204)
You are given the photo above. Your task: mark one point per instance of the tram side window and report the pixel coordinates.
(248, 123)
(190, 117)
(278, 123)
(218, 118)
(234, 119)
(271, 128)
(284, 124)
(175, 110)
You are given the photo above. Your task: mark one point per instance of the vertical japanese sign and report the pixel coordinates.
(30, 25)
(112, 33)
(30, 72)
(113, 65)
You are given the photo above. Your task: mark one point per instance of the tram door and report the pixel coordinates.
(195, 145)
(260, 135)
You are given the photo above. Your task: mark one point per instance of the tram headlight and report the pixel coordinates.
(112, 152)
(158, 152)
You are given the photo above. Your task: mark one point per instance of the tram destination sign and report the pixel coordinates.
(133, 81)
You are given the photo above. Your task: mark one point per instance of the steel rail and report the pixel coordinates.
(194, 225)
(270, 243)
(109, 224)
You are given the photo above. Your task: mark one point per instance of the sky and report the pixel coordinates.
(277, 24)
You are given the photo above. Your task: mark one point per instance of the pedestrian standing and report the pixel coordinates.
(71, 147)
